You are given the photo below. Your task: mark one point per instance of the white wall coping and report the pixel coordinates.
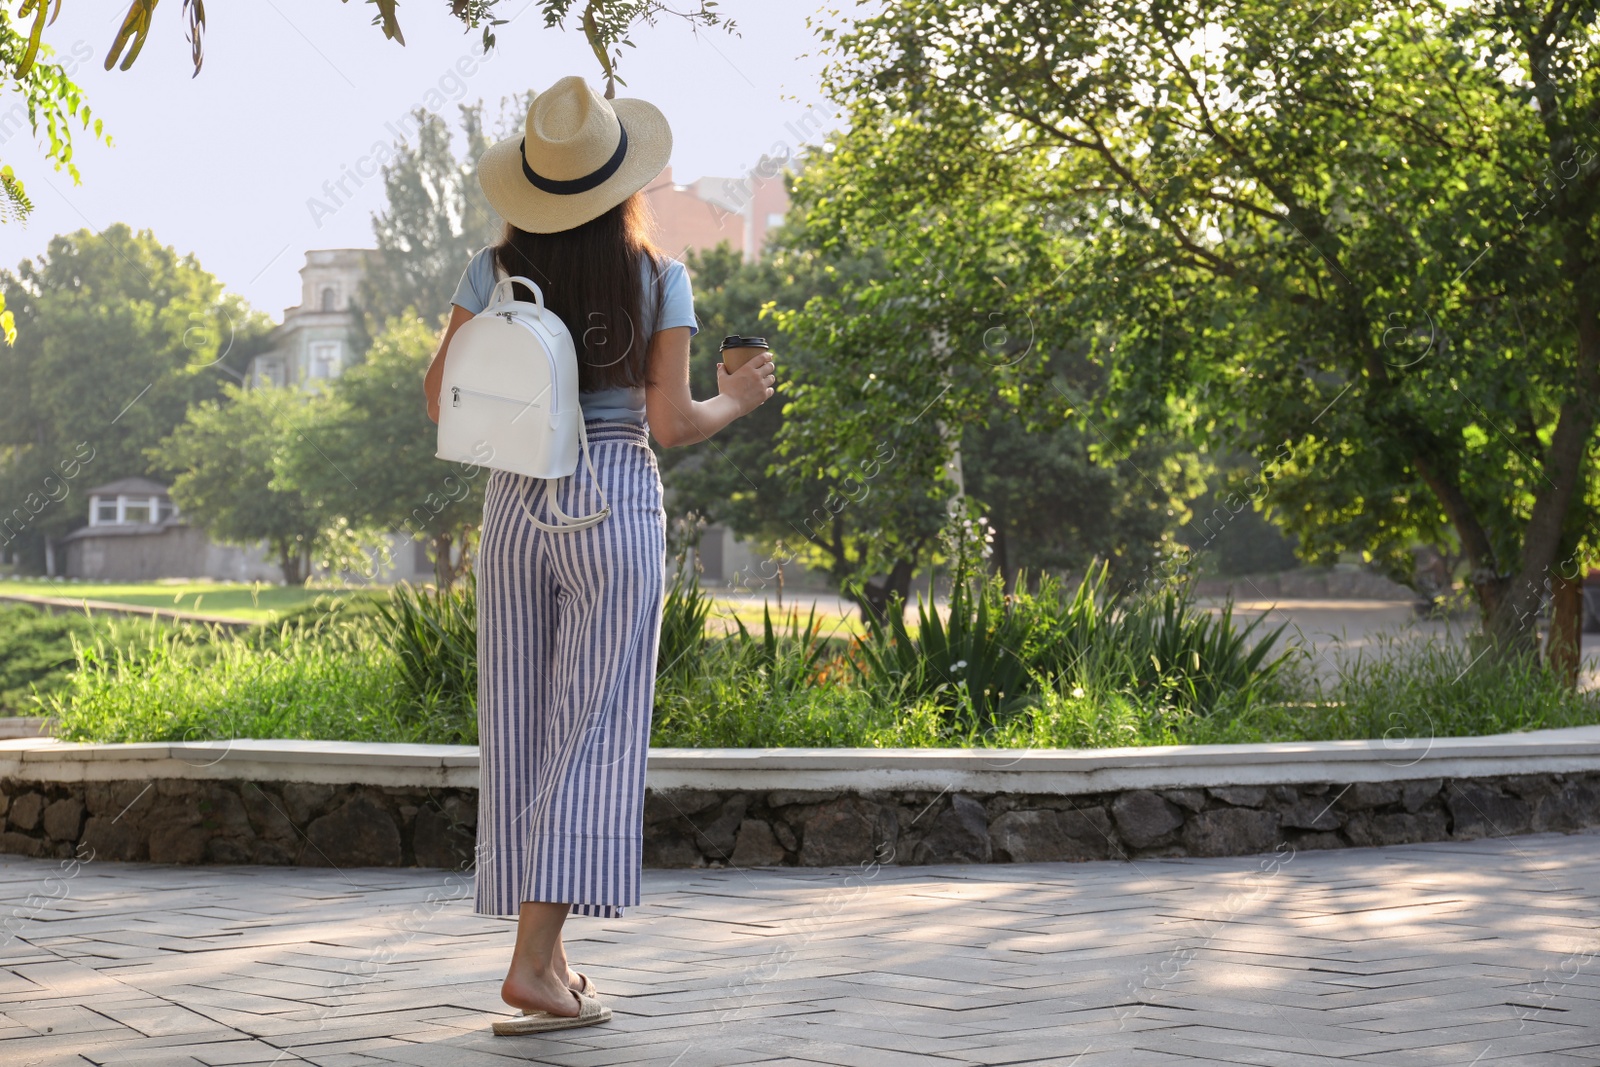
(22, 726)
(85, 606)
(1041, 771)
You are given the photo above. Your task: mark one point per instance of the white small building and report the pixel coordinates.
(136, 534)
(130, 502)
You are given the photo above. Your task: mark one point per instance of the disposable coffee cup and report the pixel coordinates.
(737, 351)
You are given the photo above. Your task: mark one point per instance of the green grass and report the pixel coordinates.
(1405, 692)
(727, 613)
(37, 654)
(1059, 669)
(329, 679)
(250, 601)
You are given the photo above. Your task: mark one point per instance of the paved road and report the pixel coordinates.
(1337, 631)
(1471, 954)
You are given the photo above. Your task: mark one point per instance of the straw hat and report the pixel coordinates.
(580, 156)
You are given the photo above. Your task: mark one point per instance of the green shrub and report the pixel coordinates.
(336, 685)
(434, 637)
(683, 627)
(787, 687)
(971, 662)
(789, 658)
(1055, 668)
(993, 655)
(1167, 652)
(35, 651)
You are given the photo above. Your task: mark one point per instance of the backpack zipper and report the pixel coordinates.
(457, 391)
(512, 319)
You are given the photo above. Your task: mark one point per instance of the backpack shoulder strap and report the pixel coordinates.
(568, 523)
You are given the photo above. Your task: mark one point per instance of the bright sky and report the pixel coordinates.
(295, 94)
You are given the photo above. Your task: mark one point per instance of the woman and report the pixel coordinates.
(568, 622)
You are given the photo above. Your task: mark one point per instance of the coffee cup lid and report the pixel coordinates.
(736, 341)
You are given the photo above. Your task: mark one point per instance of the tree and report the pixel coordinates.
(863, 523)
(364, 450)
(1058, 501)
(435, 219)
(49, 97)
(118, 336)
(607, 25)
(225, 452)
(1056, 497)
(920, 336)
(1364, 234)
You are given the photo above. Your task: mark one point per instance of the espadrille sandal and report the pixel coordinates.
(588, 989)
(590, 1012)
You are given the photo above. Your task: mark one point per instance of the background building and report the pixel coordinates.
(708, 211)
(700, 216)
(136, 534)
(317, 339)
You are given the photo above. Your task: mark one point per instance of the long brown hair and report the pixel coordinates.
(592, 278)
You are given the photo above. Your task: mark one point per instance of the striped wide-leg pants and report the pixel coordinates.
(568, 625)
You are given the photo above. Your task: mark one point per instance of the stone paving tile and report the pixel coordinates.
(432, 1055)
(1575, 1041)
(73, 1019)
(1447, 953)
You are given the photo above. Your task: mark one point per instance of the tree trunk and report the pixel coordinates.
(468, 545)
(877, 593)
(1563, 484)
(292, 562)
(1002, 554)
(444, 574)
(1563, 644)
(839, 566)
(1491, 587)
(1506, 631)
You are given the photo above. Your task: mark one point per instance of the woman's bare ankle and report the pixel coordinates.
(563, 967)
(531, 990)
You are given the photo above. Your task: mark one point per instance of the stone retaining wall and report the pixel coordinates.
(193, 821)
(176, 820)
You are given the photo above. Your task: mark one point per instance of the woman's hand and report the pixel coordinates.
(750, 385)
(675, 416)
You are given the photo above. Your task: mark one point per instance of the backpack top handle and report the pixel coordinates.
(506, 283)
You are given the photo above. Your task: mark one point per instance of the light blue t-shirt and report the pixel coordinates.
(625, 403)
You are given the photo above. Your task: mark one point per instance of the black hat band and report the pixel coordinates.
(576, 185)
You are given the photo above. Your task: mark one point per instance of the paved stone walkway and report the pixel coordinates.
(1472, 954)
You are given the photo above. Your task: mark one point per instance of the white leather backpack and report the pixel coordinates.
(510, 391)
